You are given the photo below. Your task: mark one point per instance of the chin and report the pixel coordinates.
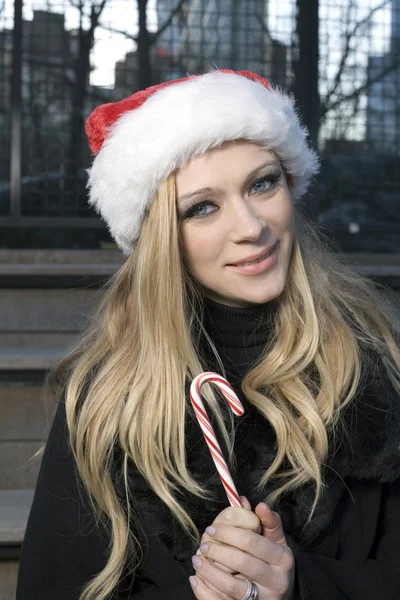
(252, 292)
(257, 300)
(246, 299)
(262, 293)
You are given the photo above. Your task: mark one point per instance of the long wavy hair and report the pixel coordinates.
(124, 382)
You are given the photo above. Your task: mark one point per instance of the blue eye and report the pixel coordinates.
(193, 211)
(266, 183)
(198, 210)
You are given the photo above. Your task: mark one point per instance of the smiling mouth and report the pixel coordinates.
(254, 262)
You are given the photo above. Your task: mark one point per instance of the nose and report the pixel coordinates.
(246, 223)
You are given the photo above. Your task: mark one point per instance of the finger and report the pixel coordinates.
(243, 563)
(236, 516)
(222, 583)
(245, 503)
(211, 587)
(220, 593)
(249, 543)
(217, 564)
(202, 591)
(272, 527)
(242, 517)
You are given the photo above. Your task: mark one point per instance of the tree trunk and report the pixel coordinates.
(79, 91)
(82, 70)
(306, 79)
(306, 66)
(143, 47)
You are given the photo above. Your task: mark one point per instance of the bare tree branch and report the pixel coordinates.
(345, 54)
(80, 68)
(2, 8)
(129, 36)
(364, 87)
(345, 123)
(77, 4)
(153, 35)
(350, 34)
(261, 22)
(95, 15)
(176, 11)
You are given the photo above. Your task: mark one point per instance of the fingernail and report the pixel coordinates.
(197, 562)
(204, 548)
(210, 530)
(192, 581)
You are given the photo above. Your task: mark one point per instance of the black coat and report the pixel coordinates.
(350, 550)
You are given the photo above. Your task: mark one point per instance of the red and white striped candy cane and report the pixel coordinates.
(208, 431)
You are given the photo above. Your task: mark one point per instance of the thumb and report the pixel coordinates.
(271, 523)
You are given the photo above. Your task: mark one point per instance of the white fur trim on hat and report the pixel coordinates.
(183, 120)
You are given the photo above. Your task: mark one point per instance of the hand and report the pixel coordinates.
(268, 524)
(251, 546)
(237, 518)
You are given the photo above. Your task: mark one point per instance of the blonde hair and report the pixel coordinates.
(124, 383)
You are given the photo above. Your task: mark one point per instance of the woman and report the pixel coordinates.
(199, 181)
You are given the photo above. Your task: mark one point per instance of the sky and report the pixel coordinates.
(121, 14)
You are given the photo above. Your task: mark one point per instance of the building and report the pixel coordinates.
(45, 69)
(127, 72)
(224, 34)
(165, 57)
(383, 103)
(50, 111)
(228, 34)
(126, 80)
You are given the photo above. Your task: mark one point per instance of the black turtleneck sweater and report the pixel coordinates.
(238, 334)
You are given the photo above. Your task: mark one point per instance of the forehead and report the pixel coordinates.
(233, 160)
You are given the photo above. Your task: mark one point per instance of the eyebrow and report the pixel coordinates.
(208, 189)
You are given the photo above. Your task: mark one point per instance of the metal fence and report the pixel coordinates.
(61, 58)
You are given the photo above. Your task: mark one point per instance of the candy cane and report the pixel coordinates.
(208, 431)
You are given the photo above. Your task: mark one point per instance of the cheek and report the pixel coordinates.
(285, 221)
(196, 247)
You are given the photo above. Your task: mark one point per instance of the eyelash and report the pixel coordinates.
(272, 178)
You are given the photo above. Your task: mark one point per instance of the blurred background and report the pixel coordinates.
(59, 59)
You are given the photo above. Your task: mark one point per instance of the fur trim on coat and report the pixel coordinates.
(366, 446)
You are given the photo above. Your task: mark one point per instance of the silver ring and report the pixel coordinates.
(252, 591)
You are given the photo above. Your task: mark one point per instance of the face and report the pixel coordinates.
(234, 206)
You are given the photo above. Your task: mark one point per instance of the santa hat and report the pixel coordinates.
(140, 140)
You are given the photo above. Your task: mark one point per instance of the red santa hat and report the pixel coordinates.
(140, 140)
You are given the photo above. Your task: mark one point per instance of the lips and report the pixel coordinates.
(255, 258)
